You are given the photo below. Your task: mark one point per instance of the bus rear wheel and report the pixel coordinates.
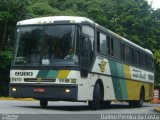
(138, 103)
(43, 103)
(96, 98)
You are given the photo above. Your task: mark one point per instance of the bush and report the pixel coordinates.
(5, 60)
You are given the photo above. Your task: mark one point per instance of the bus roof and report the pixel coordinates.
(75, 19)
(52, 19)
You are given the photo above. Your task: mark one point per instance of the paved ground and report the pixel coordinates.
(28, 110)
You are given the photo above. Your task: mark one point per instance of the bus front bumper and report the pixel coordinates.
(67, 92)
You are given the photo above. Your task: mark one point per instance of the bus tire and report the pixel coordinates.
(131, 103)
(43, 103)
(96, 98)
(138, 103)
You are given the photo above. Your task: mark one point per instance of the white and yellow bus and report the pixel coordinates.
(68, 58)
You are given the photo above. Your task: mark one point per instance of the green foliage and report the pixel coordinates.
(42, 9)
(5, 59)
(157, 57)
(157, 66)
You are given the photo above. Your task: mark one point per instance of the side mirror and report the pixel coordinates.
(85, 56)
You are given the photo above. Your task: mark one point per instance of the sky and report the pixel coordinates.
(155, 3)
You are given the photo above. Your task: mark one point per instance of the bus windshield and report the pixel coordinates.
(46, 45)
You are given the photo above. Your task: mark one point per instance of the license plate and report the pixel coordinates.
(39, 90)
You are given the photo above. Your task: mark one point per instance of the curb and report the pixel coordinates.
(24, 99)
(157, 109)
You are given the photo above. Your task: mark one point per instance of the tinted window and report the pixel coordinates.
(150, 62)
(108, 45)
(111, 48)
(89, 31)
(132, 55)
(138, 58)
(116, 48)
(59, 42)
(135, 57)
(29, 46)
(127, 53)
(143, 60)
(122, 51)
(101, 43)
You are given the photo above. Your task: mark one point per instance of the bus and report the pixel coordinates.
(71, 58)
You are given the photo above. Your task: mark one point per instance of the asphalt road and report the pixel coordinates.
(30, 110)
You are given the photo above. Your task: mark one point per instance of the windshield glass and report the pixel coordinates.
(46, 45)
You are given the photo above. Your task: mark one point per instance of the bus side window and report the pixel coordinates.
(136, 57)
(143, 59)
(145, 62)
(122, 50)
(103, 45)
(117, 48)
(139, 62)
(111, 48)
(135, 53)
(132, 55)
(150, 64)
(127, 53)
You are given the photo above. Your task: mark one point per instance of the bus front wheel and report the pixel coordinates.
(94, 104)
(43, 103)
(105, 103)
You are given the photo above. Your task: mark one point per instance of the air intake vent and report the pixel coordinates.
(38, 80)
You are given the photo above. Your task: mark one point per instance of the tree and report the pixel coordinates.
(10, 12)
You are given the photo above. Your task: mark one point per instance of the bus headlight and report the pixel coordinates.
(67, 90)
(14, 89)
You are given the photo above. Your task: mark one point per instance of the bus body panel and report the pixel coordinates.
(121, 81)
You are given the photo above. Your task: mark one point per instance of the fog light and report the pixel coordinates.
(67, 90)
(14, 89)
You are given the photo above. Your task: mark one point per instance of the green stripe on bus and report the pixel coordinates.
(42, 73)
(52, 74)
(122, 81)
(116, 81)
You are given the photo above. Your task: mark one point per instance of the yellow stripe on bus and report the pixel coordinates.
(127, 72)
(63, 74)
(132, 86)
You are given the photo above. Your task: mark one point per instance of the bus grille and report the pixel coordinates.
(38, 80)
